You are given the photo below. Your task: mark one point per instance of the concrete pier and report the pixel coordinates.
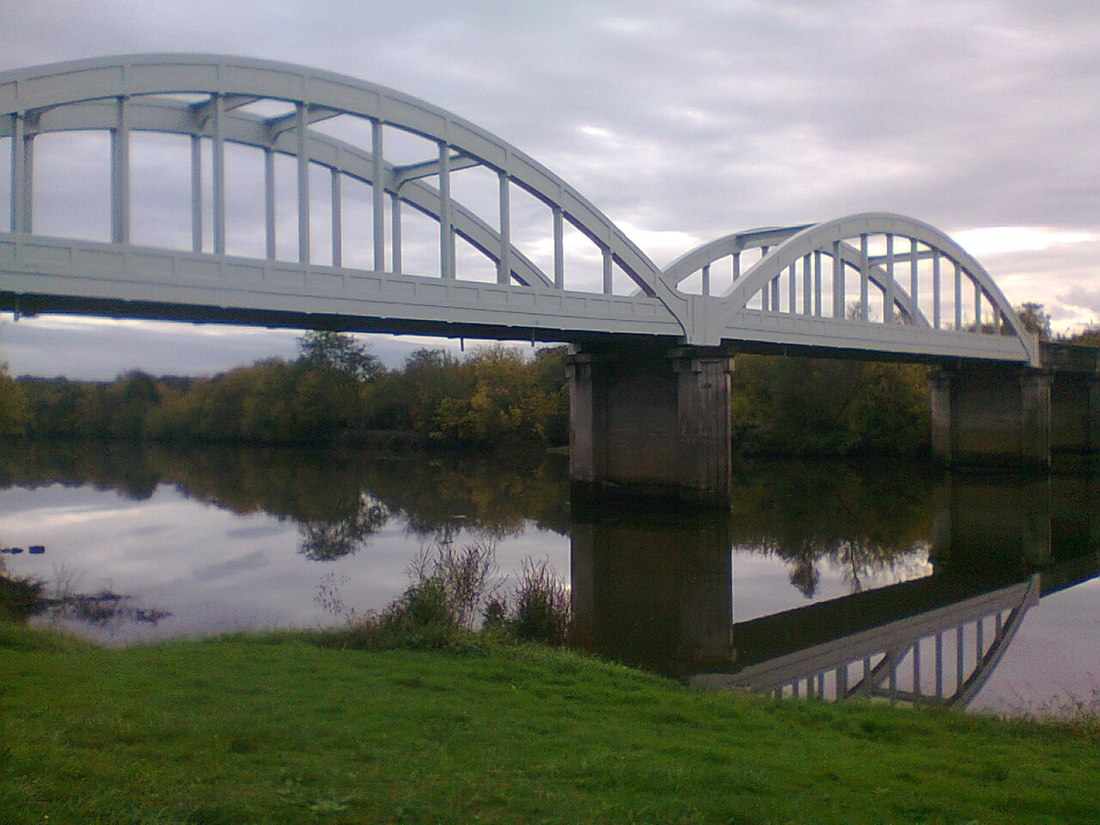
(650, 423)
(991, 415)
(1075, 398)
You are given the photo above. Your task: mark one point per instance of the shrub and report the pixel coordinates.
(451, 588)
(542, 609)
(19, 598)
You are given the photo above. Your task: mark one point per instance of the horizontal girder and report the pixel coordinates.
(57, 275)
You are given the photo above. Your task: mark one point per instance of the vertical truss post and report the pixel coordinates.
(864, 278)
(792, 288)
(958, 296)
(916, 668)
(269, 201)
(18, 162)
(977, 306)
(959, 658)
(937, 290)
(395, 228)
(559, 248)
(706, 279)
(196, 193)
(504, 259)
(888, 299)
(219, 174)
(914, 277)
(736, 266)
(303, 182)
(378, 195)
(939, 665)
(28, 182)
(446, 261)
(807, 285)
(839, 310)
(607, 271)
(337, 220)
(817, 283)
(120, 173)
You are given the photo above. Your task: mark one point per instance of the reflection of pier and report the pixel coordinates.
(655, 591)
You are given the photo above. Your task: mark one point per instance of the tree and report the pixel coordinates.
(340, 353)
(1035, 319)
(12, 405)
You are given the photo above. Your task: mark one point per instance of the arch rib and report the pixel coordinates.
(241, 80)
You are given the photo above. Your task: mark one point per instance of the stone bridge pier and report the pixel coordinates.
(650, 422)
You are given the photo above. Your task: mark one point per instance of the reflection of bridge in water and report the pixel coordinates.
(657, 593)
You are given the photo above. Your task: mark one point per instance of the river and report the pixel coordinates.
(825, 578)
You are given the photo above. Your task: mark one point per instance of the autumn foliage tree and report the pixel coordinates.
(12, 405)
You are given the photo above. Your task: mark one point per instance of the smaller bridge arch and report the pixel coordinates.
(817, 281)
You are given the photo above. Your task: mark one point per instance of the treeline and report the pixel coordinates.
(334, 391)
(829, 407)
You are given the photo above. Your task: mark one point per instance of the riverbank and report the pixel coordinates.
(277, 728)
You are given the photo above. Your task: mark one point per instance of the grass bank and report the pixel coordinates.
(280, 729)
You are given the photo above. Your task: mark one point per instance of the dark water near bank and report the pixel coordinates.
(826, 578)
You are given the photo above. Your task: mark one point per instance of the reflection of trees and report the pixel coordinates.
(329, 540)
(337, 497)
(864, 520)
(112, 465)
(443, 494)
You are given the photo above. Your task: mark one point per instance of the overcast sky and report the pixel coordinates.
(682, 121)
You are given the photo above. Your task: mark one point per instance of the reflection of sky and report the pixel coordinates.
(1055, 657)
(213, 570)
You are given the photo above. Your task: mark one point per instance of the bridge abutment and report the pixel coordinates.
(650, 423)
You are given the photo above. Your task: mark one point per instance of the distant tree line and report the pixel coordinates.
(336, 391)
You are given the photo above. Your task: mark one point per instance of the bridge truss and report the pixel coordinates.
(833, 285)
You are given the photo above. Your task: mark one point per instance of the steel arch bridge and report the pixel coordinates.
(875, 283)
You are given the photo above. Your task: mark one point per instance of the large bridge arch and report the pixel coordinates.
(216, 98)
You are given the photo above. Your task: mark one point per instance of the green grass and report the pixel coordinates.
(279, 729)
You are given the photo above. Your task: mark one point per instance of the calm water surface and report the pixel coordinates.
(825, 578)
